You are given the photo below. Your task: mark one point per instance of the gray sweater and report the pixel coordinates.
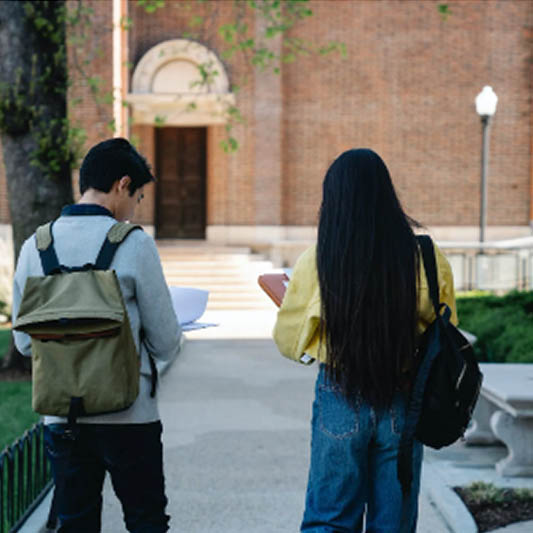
(77, 240)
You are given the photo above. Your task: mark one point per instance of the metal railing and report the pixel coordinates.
(25, 479)
(497, 266)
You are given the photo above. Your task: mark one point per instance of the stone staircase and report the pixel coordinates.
(229, 274)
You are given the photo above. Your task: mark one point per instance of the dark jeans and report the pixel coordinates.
(133, 456)
(353, 471)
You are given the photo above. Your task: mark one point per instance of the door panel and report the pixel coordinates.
(181, 175)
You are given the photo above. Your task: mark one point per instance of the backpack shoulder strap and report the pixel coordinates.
(114, 237)
(430, 266)
(45, 245)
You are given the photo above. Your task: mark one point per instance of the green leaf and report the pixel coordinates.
(271, 31)
(289, 58)
(444, 11)
(195, 21)
(159, 121)
(227, 32)
(126, 23)
(229, 145)
(249, 43)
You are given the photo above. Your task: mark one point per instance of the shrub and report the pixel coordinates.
(502, 325)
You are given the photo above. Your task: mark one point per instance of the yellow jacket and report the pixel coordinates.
(296, 331)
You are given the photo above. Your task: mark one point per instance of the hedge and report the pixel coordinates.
(503, 325)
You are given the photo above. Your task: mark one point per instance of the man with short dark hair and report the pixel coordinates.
(126, 444)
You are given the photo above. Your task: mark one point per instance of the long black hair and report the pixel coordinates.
(367, 264)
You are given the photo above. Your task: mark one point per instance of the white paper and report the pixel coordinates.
(189, 305)
(191, 326)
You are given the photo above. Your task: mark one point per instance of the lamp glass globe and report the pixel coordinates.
(486, 102)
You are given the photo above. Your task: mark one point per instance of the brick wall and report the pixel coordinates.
(92, 112)
(407, 90)
(4, 208)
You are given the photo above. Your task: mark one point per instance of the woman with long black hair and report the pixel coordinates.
(357, 302)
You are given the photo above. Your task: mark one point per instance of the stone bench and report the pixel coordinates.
(504, 413)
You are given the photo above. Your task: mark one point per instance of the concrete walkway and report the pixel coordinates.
(236, 421)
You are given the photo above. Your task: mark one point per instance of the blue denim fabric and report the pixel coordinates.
(133, 456)
(353, 485)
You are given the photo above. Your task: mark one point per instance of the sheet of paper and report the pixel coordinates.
(189, 303)
(191, 326)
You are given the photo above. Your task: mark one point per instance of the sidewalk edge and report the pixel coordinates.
(447, 501)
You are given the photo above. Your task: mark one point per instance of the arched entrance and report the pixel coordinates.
(180, 88)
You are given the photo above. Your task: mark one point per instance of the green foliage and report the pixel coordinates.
(60, 142)
(479, 492)
(208, 73)
(150, 6)
(5, 335)
(159, 121)
(444, 10)
(24, 101)
(16, 414)
(502, 325)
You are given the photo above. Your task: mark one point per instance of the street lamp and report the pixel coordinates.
(486, 102)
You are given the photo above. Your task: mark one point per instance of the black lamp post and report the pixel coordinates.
(486, 102)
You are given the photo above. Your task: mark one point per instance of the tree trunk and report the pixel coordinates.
(33, 112)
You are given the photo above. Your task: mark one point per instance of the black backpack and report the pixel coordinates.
(447, 381)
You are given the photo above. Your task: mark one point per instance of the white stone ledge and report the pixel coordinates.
(504, 413)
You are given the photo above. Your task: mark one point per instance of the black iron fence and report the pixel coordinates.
(25, 479)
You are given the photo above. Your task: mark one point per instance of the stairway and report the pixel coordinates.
(229, 274)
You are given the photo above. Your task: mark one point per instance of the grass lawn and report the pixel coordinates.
(16, 414)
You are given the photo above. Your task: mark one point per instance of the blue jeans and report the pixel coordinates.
(353, 469)
(133, 456)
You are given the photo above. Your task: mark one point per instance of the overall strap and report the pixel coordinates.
(114, 237)
(45, 245)
(430, 266)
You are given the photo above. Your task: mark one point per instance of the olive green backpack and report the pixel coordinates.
(84, 358)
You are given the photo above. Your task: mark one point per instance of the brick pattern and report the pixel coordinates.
(93, 112)
(4, 207)
(406, 90)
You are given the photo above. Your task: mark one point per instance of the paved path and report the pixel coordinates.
(236, 417)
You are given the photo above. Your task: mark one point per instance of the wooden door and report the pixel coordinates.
(181, 183)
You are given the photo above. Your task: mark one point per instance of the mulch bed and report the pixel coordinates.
(490, 515)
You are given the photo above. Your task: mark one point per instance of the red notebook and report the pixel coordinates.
(273, 285)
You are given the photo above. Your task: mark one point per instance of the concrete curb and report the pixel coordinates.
(448, 503)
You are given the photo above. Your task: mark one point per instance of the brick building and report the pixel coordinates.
(405, 89)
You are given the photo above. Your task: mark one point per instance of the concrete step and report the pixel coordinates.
(229, 274)
(219, 265)
(220, 281)
(227, 288)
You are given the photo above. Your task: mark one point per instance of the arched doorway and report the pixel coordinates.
(180, 88)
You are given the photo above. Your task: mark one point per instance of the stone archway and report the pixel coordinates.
(167, 87)
(180, 88)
